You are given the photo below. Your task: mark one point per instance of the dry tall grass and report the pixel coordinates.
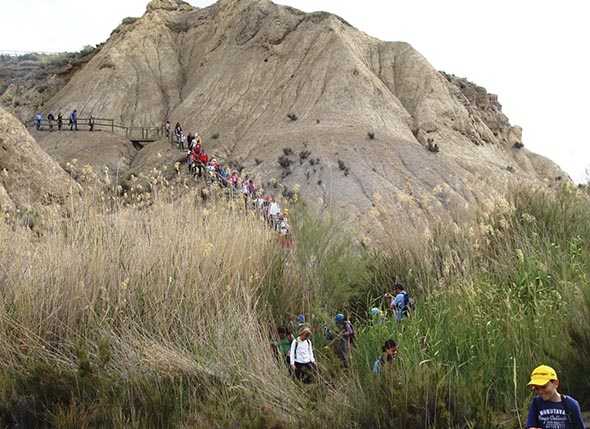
(172, 290)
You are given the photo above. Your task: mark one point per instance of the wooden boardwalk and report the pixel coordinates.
(134, 134)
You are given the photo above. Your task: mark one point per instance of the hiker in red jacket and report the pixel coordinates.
(202, 164)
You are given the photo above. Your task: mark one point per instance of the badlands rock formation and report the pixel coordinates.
(29, 177)
(351, 117)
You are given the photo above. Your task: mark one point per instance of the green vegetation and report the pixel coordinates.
(163, 317)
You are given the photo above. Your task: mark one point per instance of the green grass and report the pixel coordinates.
(114, 319)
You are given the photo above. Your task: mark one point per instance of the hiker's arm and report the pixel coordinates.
(311, 353)
(579, 421)
(532, 422)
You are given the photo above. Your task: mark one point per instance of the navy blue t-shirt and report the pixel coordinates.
(555, 415)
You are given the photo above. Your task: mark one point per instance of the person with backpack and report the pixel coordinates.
(301, 357)
(549, 408)
(344, 340)
(60, 121)
(387, 358)
(74, 120)
(400, 303)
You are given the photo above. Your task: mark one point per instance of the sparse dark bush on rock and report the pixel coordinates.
(284, 161)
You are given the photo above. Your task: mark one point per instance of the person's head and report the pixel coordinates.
(398, 287)
(544, 382)
(390, 349)
(282, 331)
(305, 333)
(301, 318)
(340, 318)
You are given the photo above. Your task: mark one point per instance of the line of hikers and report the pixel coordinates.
(202, 166)
(58, 121)
(549, 409)
(297, 352)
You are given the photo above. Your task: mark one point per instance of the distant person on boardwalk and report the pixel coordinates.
(167, 129)
(50, 120)
(60, 121)
(91, 123)
(549, 408)
(387, 358)
(38, 119)
(74, 120)
(301, 357)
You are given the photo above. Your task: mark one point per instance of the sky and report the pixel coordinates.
(532, 53)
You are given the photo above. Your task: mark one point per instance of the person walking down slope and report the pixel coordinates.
(344, 340)
(167, 129)
(74, 120)
(549, 408)
(60, 121)
(387, 358)
(301, 357)
(283, 345)
(91, 123)
(178, 134)
(400, 304)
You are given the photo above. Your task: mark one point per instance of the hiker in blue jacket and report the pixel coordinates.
(401, 302)
(549, 408)
(74, 120)
(38, 119)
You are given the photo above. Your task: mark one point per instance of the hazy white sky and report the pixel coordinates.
(533, 53)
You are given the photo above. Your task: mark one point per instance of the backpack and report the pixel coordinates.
(296, 344)
(409, 303)
(353, 332)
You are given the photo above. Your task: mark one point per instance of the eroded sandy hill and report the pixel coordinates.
(239, 68)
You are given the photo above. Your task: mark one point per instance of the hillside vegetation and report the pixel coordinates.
(161, 314)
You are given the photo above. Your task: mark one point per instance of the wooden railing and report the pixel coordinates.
(105, 124)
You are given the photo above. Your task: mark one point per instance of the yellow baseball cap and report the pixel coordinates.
(542, 375)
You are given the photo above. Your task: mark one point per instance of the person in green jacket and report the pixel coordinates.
(283, 345)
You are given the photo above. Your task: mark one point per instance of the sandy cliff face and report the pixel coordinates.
(363, 112)
(29, 177)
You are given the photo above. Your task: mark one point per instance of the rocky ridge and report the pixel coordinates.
(315, 104)
(29, 177)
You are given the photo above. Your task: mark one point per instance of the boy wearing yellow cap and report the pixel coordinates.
(550, 409)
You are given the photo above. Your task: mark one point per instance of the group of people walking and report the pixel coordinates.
(549, 408)
(297, 351)
(201, 165)
(54, 121)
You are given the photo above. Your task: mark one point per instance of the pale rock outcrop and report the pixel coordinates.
(28, 176)
(357, 113)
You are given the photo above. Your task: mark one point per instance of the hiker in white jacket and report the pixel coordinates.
(301, 356)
